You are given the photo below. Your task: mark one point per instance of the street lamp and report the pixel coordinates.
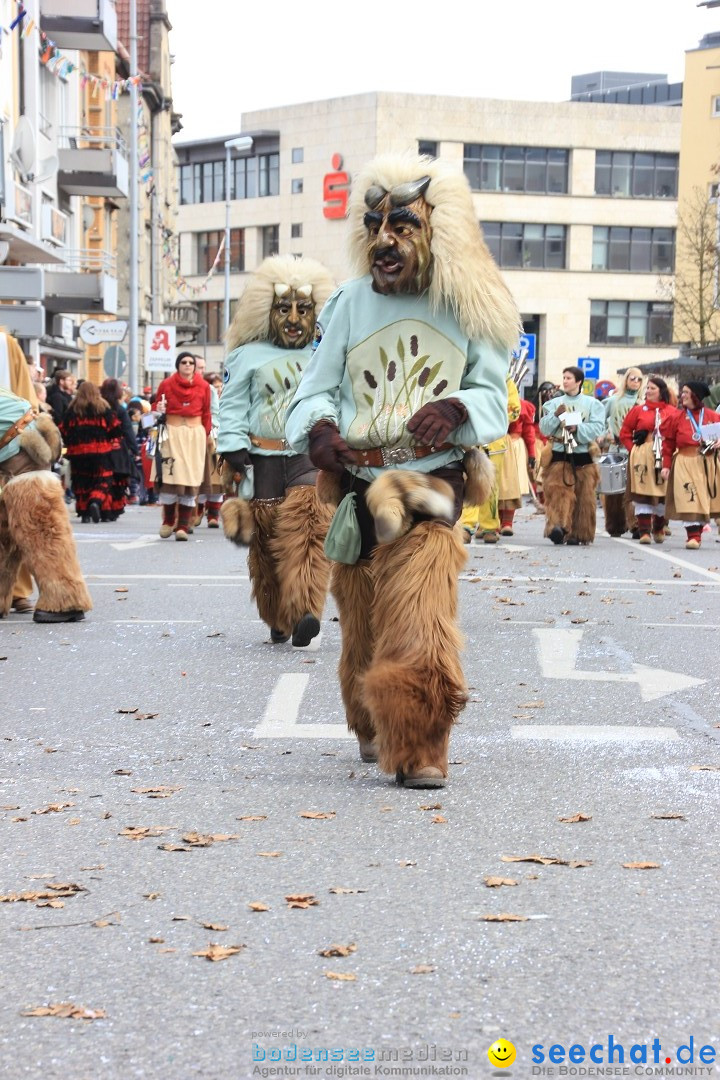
(242, 142)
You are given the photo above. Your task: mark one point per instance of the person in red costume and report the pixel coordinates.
(522, 445)
(184, 400)
(640, 434)
(690, 463)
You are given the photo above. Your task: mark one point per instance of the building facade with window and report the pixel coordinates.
(577, 201)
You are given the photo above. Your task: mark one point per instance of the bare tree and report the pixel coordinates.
(694, 291)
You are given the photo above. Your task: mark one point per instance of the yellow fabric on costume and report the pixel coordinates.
(486, 518)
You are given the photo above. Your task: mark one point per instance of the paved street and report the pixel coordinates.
(159, 757)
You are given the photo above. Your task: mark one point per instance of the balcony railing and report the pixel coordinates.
(92, 138)
(88, 261)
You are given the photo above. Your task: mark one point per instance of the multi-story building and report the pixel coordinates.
(577, 201)
(63, 168)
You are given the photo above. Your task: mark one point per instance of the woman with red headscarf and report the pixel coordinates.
(690, 463)
(641, 437)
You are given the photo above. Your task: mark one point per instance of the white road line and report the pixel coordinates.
(280, 718)
(165, 577)
(685, 626)
(140, 622)
(592, 733)
(669, 558)
(507, 579)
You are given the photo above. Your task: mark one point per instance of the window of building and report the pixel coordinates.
(270, 240)
(298, 155)
(636, 175)
(296, 231)
(630, 322)
(532, 247)
(207, 245)
(212, 314)
(245, 184)
(296, 187)
(428, 147)
(716, 106)
(532, 169)
(640, 250)
(269, 174)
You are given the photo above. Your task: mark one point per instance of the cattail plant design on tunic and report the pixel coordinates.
(279, 390)
(409, 380)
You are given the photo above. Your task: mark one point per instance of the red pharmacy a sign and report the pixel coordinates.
(336, 189)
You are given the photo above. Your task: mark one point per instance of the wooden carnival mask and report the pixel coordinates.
(292, 316)
(398, 225)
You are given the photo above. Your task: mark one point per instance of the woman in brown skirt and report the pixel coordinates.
(690, 463)
(640, 434)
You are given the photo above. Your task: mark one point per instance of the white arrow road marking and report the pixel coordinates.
(144, 541)
(592, 733)
(280, 719)
(558, 653)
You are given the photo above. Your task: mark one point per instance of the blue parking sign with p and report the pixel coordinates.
(527, 341)
(590, 366)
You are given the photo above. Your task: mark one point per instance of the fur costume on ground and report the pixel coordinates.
(618, 515)
(570, 499)
(35, 529)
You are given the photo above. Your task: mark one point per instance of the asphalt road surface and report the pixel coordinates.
(180, 778)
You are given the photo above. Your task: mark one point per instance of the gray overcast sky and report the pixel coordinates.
(232, 57)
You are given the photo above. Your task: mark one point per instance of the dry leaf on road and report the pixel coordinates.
(504, 916)
(338, 950)
(496, 882)
(641, 865)
(546, 860)
(51, 903)
(669, 817)
(67, 1011)
(214, 926)
(339, 976)
(422, 969)
(163, 791)
(140, 832)
(302, 900)
(53, 808)
(151, 896)
(252, 817)
(340, 891)
(219, 952)
(257, 905)
(269, 854)
(438, 819)
(206, 839)
(705, 768)
(576, 817)
(32, 897)
(317, 814)
(432, 806)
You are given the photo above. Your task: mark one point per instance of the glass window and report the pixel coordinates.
(638, 322)
(298, 155)
(207, 245)
(295, 232)
(296, 187)
(427, 147)
(534, 247)
(270, 240)
(534, 169)
(639, 250)
(268, 174)
(640, 175)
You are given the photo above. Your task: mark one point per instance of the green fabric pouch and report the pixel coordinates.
(343, 540)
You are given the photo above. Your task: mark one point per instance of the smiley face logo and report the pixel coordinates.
(501, 1054)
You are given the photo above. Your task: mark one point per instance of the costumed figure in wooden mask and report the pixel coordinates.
(269, 343)
(409, 374)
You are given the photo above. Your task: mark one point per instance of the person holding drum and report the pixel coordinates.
(640, 434)
(690, 463)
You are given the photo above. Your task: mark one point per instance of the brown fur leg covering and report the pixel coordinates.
(237, 521)
(559, 488)
(262, 567)
(414, 689)
(584, 516)
(39, 525)
(353, 587)
(303, 571)
(10, 562)
(615, 513)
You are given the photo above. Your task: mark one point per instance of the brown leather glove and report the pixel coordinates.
(432, 424)
(238, 460)
(327, 448)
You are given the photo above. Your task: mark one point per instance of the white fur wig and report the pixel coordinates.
(252, 318)
(464, 275)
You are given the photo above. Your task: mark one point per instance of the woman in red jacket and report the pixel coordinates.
(690, 463)
(184, 400)
(640, 434)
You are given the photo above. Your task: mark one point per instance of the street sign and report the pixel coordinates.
(160, 348)
(527, 341)
(93, 331)
(590, 366)
(115, 362)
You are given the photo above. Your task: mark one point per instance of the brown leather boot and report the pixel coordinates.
(168, 519)
(186, 515)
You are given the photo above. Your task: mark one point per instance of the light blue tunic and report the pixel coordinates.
(590, 428)
(12, 409)
(381, 358)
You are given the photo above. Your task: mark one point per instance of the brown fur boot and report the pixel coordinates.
(414, 688)
(585, 513)
(353, 589)
(559, 488)
(169, 512)
(615, 514)
(185, 519)
(262, 567)
(296, 546)
(38, 529)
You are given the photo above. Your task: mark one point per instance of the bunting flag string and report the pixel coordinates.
(61, 65)
(171, 262)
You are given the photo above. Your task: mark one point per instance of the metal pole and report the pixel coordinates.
(133, 305)
(226, 310)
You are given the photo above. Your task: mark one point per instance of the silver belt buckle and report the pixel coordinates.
(285, 445)
(397, 455)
